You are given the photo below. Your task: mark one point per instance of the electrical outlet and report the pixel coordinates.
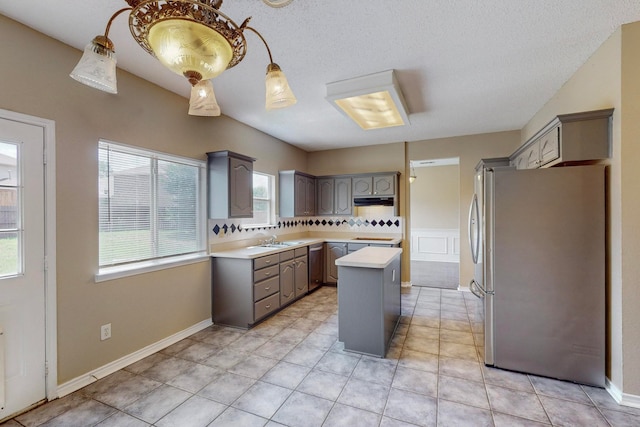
(105, 332)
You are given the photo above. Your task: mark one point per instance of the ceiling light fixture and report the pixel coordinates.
(277, 3)
(192, 38)
(374, 101)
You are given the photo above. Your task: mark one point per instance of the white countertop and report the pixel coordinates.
(369, 257)
(251, 252)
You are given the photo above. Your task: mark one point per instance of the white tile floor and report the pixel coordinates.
(290, 370)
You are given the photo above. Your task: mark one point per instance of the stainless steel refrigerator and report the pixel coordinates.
(538, 242)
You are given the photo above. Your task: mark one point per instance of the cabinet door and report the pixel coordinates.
(310, 196)
(325, 189)
(520, 162)
(301, 276)
(343, 203)
(240, 188)
(333, 252)
(287, 289)
(362, 186)
(300, 195)
(550, 146)
(532, 156)
(384, 185)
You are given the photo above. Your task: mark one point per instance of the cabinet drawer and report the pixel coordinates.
(300, 252)
(265, 273)
(266, 306)
(266, 288)
(265, 261)
(285, 256)
(352, 247)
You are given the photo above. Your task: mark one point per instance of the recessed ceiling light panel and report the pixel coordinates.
(374, 101)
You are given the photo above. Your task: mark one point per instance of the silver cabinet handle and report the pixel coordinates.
(268, 261)
(268, 273)
(267, 306)
(393, 275)
(267, 288)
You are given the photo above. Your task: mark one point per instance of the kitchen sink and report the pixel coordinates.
(383, 239)
(275, 245)
(280, 244)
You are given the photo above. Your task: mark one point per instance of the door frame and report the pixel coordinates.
(50, 285)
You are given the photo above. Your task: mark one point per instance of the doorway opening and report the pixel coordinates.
(435, 222)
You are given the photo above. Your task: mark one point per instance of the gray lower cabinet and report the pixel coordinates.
(287, 278)
(369, 307)
(301, 275)
(294, 275)
(333, 251)
(243, 291)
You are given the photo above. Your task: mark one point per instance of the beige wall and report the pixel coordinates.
(143, 309)
(435, 197)
(469, 149)
(610, 79)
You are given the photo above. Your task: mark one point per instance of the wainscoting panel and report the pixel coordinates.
(441, 245)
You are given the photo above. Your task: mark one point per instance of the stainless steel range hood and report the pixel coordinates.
(373, 201)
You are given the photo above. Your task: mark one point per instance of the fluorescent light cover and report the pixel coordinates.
(373, 101)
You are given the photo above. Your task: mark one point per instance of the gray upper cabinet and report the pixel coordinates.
(376, 185)
(230, 185)
(342, 203)
(297, 194)
(567, 138)
(334, 196)
(324, 190)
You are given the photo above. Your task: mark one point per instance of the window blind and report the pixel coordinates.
(150, 205)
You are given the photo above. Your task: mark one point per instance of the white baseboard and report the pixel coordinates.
(101, 372)
(624, 399)
(406, 284)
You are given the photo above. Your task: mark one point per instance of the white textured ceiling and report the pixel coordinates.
(465, 66)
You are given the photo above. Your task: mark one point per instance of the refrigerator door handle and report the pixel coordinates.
(474, 241)
(476, 289)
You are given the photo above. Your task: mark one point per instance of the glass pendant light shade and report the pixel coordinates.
(97, 67)
(203, 100)
(185, 46)
(279, 94)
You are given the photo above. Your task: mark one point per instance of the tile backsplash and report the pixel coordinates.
(226, 230)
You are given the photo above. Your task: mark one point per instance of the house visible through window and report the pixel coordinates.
(263, 200)
(151, 205)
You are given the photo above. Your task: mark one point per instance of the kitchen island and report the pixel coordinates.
(368, 299)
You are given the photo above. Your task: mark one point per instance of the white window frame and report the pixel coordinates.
(154, 264)
(272, 204)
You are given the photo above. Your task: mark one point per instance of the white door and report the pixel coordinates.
(22, 268)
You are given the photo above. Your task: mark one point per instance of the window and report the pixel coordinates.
(263, 212)
(151, 205)
(10, 215)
